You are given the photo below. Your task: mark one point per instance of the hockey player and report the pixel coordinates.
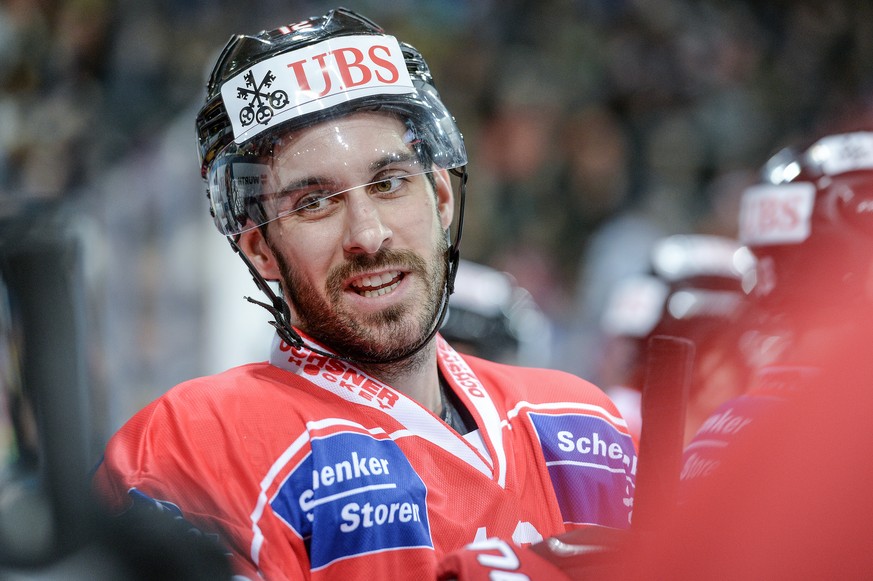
(776, 484)
(696, 288)
(806, 225)
(366, 446)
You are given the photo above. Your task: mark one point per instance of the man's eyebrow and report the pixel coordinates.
(303, 183)
(391, 158)
(382, 162)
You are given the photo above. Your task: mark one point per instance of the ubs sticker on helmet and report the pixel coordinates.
(313, 78)
(354, 494)
(776, 214)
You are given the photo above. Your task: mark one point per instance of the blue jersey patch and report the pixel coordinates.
(592, 466)
(713, 441)
(354, 495)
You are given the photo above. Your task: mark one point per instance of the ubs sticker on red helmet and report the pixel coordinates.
(776, 214)
(313, 78)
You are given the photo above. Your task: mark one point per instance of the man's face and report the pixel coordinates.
(364, 269)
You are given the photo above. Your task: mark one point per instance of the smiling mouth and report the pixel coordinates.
(378, 284)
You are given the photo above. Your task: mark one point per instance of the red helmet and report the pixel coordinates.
(810, 225)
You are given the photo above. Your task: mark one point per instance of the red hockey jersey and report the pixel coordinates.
(307, 468)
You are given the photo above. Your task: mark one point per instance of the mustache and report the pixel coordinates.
(362, 263)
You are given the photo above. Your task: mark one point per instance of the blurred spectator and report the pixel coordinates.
(518, 161)
(620, 247)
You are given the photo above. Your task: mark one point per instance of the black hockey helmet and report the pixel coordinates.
(696, 288)
(265, 86)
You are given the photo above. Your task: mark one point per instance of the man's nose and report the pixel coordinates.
(365, 231)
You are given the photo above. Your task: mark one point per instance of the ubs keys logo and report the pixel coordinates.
(261, 102)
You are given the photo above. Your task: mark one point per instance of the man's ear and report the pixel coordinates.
(254, 244)
(445, 197)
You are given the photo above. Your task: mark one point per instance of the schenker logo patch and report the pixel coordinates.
(354, 494)
(587, 451)
(312, 79)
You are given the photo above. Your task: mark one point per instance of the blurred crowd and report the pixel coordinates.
(594, 128)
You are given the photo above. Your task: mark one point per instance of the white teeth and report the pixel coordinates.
(373, 285)
(380, 292)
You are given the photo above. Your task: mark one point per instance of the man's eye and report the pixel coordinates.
(310, 202)
(387, 185)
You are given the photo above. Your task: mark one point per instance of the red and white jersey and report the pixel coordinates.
(307, 468)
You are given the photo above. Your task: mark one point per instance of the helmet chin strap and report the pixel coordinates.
(281, 312)
(276, 307)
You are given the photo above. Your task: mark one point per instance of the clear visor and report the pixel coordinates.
(300, 171)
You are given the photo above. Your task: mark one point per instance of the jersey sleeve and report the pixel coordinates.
(583, 448)
(172, 455)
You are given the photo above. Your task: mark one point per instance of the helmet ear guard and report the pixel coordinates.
(851, 200)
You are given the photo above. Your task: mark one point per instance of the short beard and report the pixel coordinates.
(384, 336)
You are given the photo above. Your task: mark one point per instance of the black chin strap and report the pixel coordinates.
(277, 305)
(454, 251)
(281, 312)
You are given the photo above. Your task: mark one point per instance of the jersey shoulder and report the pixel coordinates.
(255, 384)
(235, 410)
(194, 435)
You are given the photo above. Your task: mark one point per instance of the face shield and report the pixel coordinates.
(301, 172)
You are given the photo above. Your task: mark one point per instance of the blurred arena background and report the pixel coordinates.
(594, 128)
